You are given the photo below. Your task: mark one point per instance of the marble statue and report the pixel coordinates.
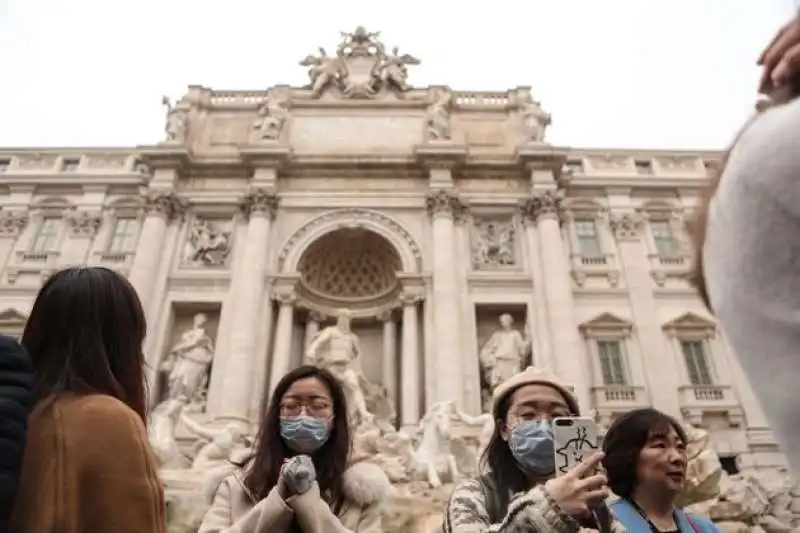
(441, 454)
(394, 72)
(432, 458)
(437, 117)
(703, 468)
(493, 244)
(336, 349)
(208, 245)
(177, 118)
(161, 434)
(360, 43)
(323, 71)
(534, 119)
(271, 117)
(505, 353)
(188, 362)
(361, 67)
(215, 447)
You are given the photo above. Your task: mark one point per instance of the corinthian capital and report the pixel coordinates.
(445, 202)
(546, 203)
(260, 202)
(165, 203)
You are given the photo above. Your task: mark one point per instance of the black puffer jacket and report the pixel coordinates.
(16, 375)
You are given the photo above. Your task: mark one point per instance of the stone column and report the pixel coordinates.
(628, 226)
(312, 328)
(260, 208)
(161, 207)
(282, 350)
(568, 350)
(389, 363)
(442, 205)
(537, 312)
(471, 374)
(409, 364)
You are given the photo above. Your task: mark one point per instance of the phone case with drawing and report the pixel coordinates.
(573, 439)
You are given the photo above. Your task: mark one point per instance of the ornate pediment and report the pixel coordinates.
(361, 68)
(606, 323)
(12, 322)
(691, 322)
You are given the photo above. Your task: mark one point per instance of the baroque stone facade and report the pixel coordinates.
(427, 212)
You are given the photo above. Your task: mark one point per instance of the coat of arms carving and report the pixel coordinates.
(361, 67)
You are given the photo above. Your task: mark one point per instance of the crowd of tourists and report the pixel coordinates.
(74, 452)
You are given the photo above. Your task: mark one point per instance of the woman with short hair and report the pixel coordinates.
(646, 463)
(87, 466)
(298, 479)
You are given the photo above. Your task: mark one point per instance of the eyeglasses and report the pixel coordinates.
(318, 409)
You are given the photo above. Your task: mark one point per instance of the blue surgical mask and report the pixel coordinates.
(531, 444)
(304, 434)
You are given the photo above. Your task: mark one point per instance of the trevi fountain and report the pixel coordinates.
(422, 243)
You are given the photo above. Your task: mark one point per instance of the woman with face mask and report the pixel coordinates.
(298, 480)
(519, 491)
(646, 466)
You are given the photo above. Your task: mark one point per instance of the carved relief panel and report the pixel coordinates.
(493, 242)
(208, 243)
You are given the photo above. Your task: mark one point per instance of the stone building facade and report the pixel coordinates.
(427, 212)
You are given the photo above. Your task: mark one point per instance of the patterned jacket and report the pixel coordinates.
(531, 511)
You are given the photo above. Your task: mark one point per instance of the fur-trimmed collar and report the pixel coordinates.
(364, 484)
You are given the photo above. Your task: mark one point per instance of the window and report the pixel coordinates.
(588, 240)
(70, 165)
(124, 237)
(612, 363)
(47, 235)
(664, 239)
(643, 167)
(4, 164)
(696, 359)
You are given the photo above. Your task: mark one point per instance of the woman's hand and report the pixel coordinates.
(298, 474)
(781, 59)
(284, 491)
(580, 488)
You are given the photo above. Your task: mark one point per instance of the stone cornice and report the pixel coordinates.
(544, 156)
(440, 154)
(167, 156)
(265, 154)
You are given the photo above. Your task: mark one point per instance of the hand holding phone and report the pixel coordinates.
(574, 438)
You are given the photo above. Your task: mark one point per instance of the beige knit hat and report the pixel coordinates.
(532, 376)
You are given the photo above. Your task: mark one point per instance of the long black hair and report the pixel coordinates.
(85, 335)
(330, 461)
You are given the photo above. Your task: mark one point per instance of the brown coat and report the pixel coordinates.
(88, 469)
(234, 510)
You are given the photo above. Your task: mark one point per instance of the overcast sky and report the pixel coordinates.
(616, 73)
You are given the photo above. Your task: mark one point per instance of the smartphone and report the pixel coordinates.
(573, 439)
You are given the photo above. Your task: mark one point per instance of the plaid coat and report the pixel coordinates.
(531, 511)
